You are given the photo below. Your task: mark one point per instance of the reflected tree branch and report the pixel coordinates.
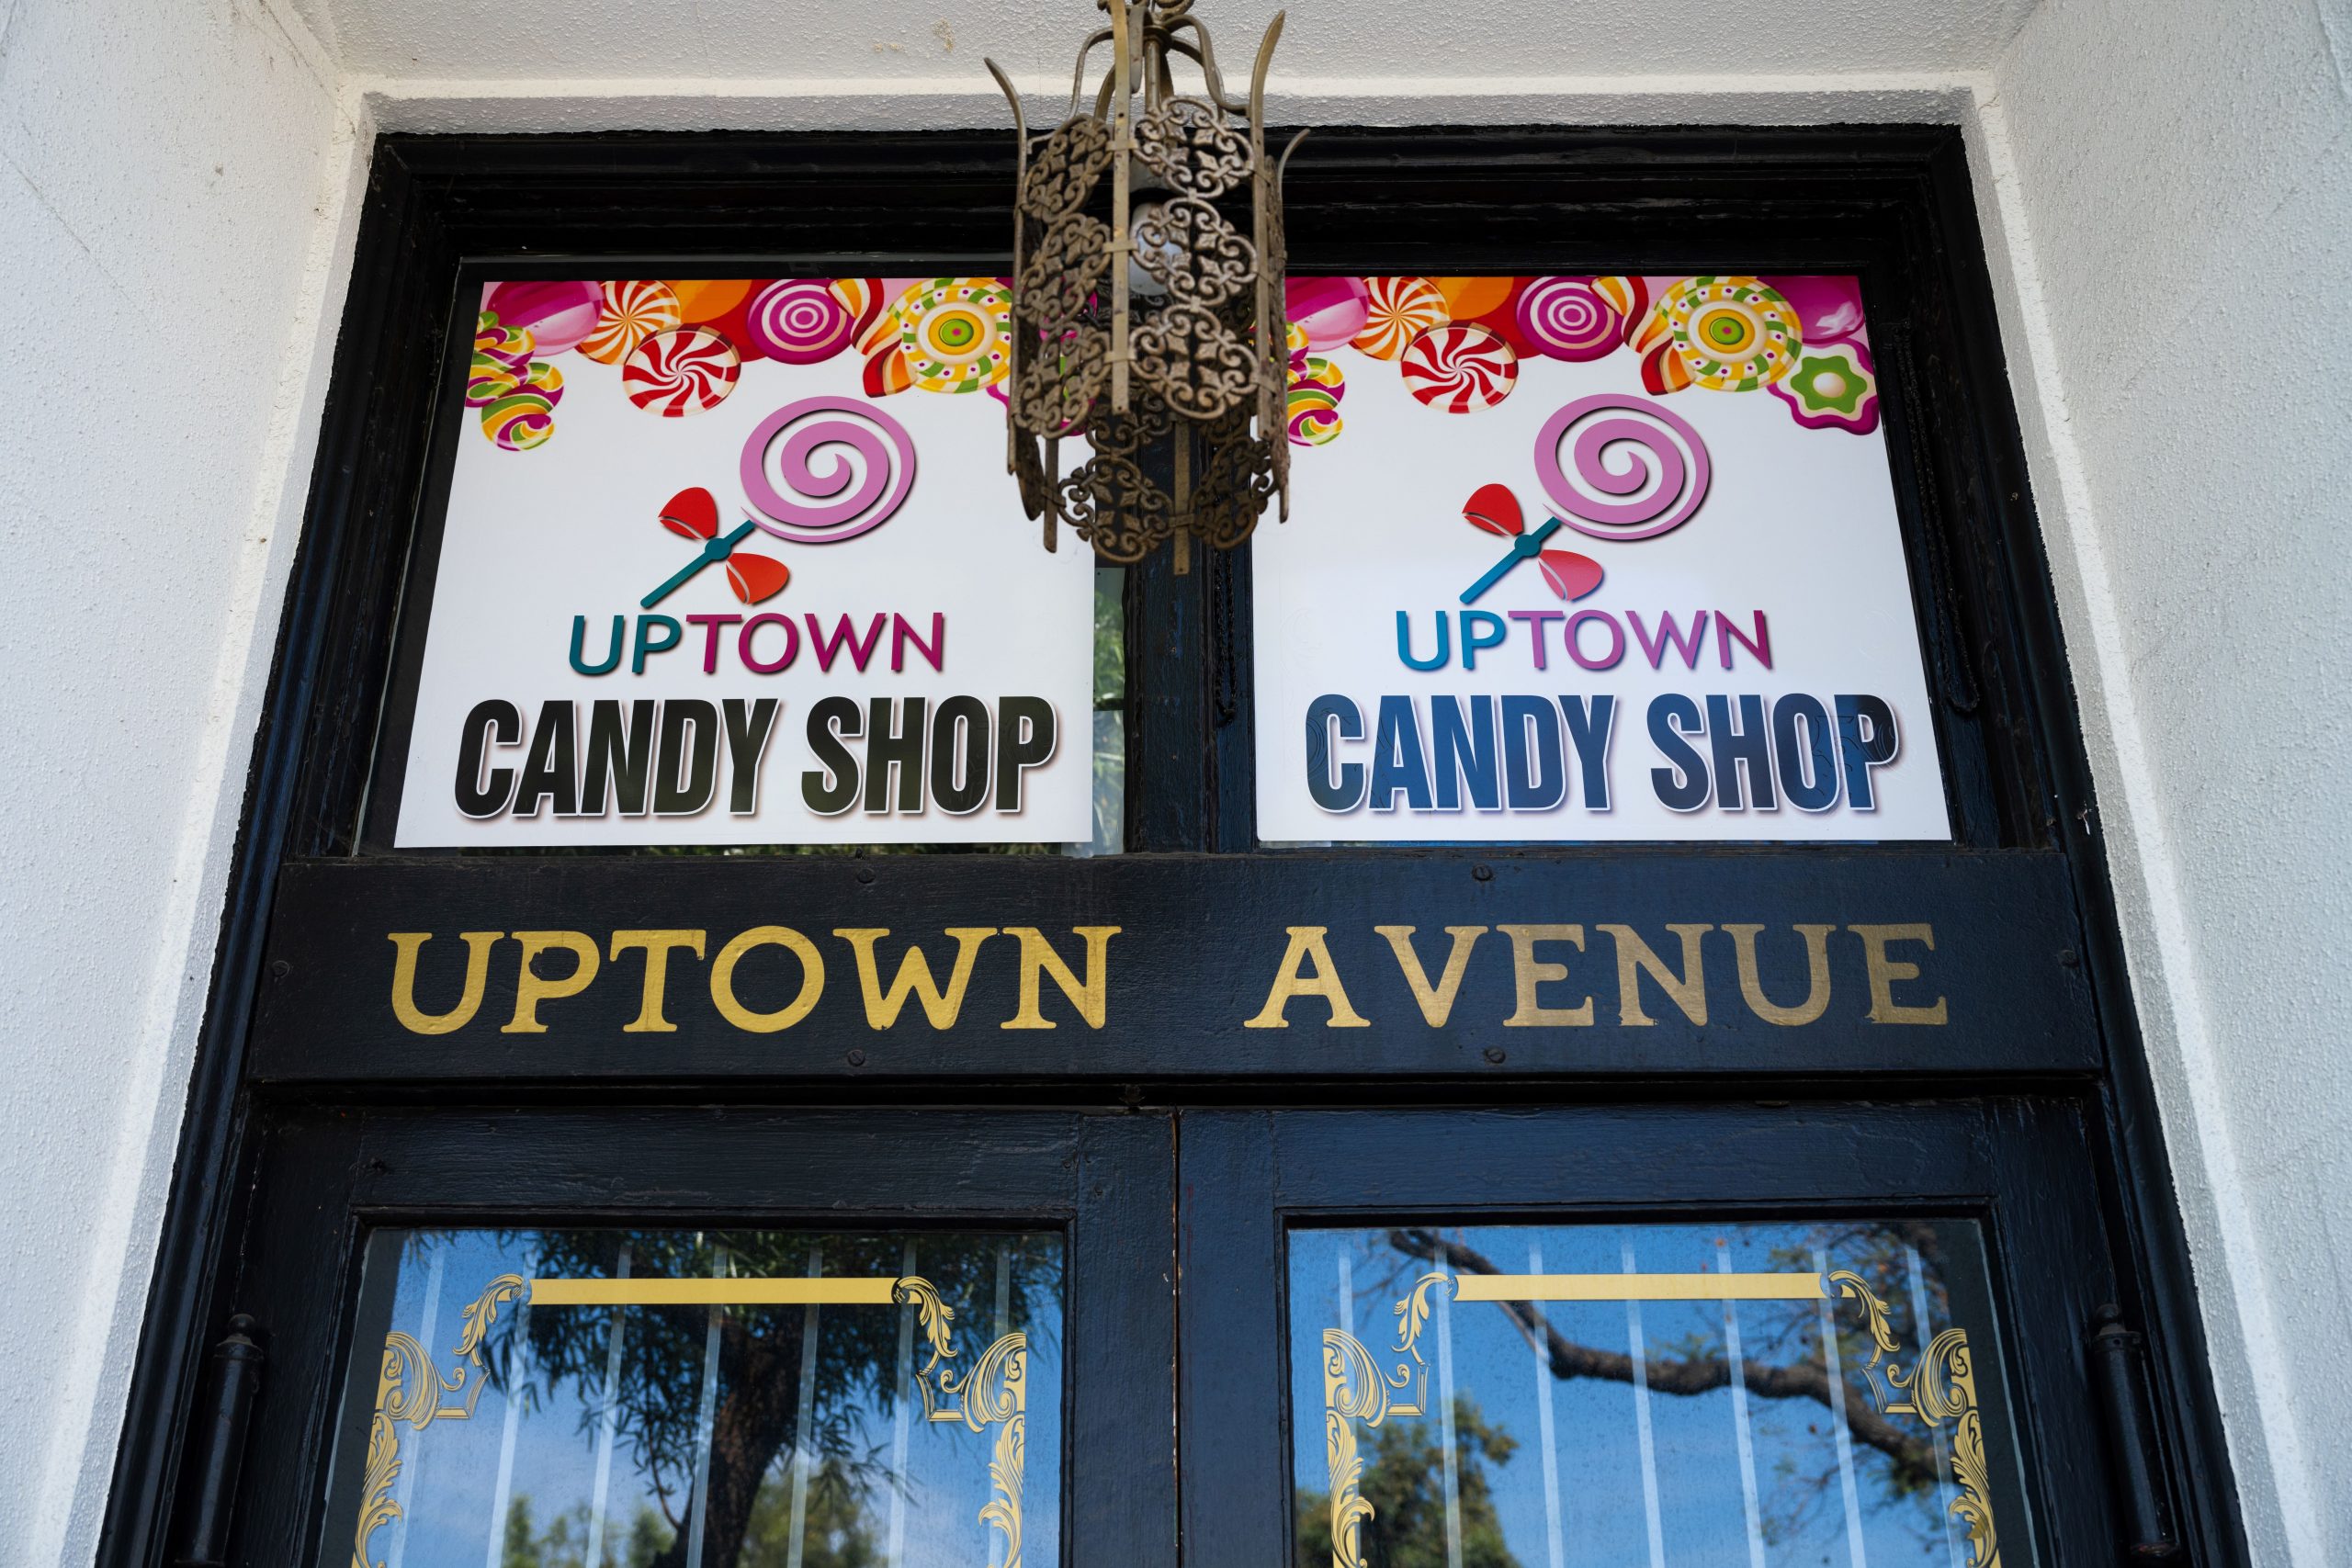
(1914, 1457)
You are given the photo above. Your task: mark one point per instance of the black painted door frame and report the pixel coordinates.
(1891, 203)
(326, 1179)
(2019, 1167)
(1176, 1425)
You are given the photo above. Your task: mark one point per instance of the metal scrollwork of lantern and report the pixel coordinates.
(1147, 298)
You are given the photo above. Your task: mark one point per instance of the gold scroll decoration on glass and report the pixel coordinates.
(1354, 1390)
(408, 1392)
(993, 1393)
(1941, 1386)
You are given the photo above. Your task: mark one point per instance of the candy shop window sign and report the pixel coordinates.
(720, 565)
(1587, 558)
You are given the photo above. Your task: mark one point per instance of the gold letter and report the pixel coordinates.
(1751, 984)
(1038, 957)
(1885, 971)
(404, 948)
(1436, 1001)
(1306, 941)
(1634, 955)
(914, 974)
(1528, 975)
(657, 946)
(723, 980)
(530, 990)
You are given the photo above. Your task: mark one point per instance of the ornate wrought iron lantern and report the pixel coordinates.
(1147, 298)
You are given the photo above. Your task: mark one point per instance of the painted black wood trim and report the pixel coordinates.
(2051, 1259)
(1230, 1362)
(1191, 769)
(1169, 644)
(1197, 943)
(1120, 1482)
(2131, 1158)
(281, 794)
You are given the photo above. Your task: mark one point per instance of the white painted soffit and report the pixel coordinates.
(488, 106)
(928, 53)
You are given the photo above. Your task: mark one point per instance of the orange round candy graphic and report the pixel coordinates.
(707, 299)
(1466, 299)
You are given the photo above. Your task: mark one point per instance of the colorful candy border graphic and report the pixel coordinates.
(680, 345)
(1459, 343)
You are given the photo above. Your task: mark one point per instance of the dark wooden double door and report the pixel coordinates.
(1565, 1334)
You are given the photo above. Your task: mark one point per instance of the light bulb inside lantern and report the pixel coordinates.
(1169, 255)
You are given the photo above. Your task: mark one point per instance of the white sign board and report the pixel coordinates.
(737, 562)
(1587, 558)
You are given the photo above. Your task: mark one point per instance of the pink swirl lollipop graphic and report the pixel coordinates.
(1639, 470)
(1567, 318)
(845, 468)
(800, 321)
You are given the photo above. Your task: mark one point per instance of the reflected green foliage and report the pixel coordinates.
(756, 1406)
(564, 1542)
(1404, 1481)
(838, 1532)
(649, 1536)
(1110, 732)
(1110, 636)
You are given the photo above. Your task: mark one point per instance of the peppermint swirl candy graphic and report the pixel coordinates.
(633, 310)
(843, 466)
(686, 370)
(1459, 369)
(1636, 470)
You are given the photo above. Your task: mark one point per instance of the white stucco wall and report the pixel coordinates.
(172, 176)
(2167, 198)
(2169, 187)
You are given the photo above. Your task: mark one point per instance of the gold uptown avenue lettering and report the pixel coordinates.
(768, 979)
(1540, 986)
(761, 980)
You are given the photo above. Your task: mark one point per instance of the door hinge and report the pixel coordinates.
(2118, 1357)
(218, 1447)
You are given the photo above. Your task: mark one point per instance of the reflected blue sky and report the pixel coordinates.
(1693, 1470)
(551, 1472)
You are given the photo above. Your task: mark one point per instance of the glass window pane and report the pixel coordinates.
(668, 1399)
(1110, 714)
(1649, 1396)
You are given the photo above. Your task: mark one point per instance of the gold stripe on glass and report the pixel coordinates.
(1638, 1288)
(711, 1292)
